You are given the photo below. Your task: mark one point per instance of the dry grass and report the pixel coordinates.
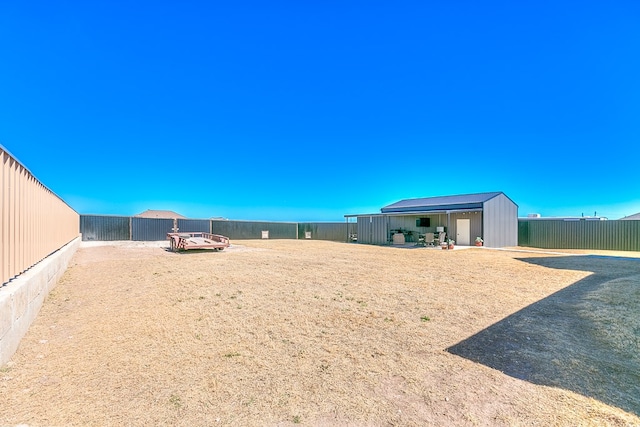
(280, 332)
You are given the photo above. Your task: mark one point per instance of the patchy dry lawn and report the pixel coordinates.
(281, 332)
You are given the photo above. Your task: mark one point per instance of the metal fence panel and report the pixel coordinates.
(334, 231)
(35, 222)
(581, 234)
(194, 225)
(239, 230)
(105, 228)
(523, 233)
(150, 229)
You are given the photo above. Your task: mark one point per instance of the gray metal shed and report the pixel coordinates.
(491, 216)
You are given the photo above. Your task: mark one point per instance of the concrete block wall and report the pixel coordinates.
(22, 297)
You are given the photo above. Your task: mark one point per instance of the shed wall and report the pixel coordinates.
(500, 222)
(475, 222)
(373, 230)
(376, 230)
(408, 222)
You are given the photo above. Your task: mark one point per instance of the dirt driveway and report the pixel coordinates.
(281, 332)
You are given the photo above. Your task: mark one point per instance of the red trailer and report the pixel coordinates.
(197, 240)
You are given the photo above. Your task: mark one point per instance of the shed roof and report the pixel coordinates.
(463, 201)
(634, 217)
(149, 213)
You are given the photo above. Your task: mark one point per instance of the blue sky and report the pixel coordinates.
(310, 110)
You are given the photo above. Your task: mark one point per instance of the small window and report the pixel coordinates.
(423, 222)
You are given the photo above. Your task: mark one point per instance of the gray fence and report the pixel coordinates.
(335, 231)
(239, 230)
(108, 228)
(581, 234)
(105, 228)
(197, 225)
(150, 229)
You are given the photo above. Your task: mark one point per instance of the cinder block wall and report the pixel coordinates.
(22, 298)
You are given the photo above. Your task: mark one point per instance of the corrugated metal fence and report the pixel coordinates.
(35, 221)
(335, 231)
(197, 225)
(150, 229)
(107, 228)
(582, 234)
(254, 229)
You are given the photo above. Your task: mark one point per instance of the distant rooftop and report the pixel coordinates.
(149, 213)
(634, 217)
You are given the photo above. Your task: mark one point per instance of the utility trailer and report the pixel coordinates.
(197, 240)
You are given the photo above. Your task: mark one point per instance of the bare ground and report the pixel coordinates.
(280, 332)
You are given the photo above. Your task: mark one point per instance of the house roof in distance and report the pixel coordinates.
(149, 213)
(634, 217)
(462, 201)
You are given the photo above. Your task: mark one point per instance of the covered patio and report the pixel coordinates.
(490, 217)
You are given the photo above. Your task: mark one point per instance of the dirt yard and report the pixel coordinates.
(282, 332)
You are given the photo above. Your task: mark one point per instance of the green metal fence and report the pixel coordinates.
(336, 231)
(239, 230)
(580, 234)
(105, 228)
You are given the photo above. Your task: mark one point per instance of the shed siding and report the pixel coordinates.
(500, 222)
(373, 230)
(408, 222)
(476, 224)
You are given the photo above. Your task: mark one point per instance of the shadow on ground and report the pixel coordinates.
(584, 338)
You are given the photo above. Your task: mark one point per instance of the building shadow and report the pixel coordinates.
(584, 338)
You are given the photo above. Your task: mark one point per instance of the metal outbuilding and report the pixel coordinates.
(634, 217)
(490, 216)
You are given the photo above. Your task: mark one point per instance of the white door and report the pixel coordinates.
(463, 232)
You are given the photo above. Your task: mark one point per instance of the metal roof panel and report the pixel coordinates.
(441, 202)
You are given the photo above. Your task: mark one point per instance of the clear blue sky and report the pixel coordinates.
(310, 110)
